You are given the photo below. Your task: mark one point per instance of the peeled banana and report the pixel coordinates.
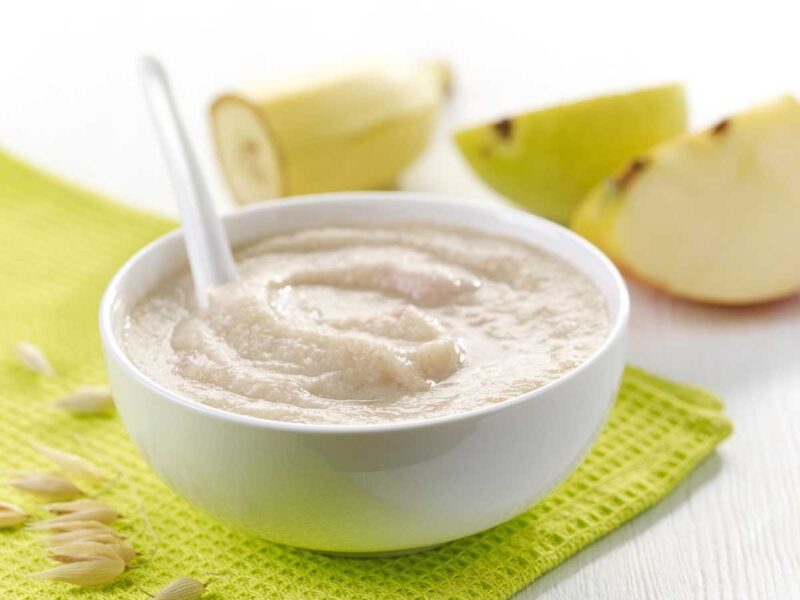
(350, 129)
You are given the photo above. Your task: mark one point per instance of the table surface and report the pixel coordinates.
(71, 103)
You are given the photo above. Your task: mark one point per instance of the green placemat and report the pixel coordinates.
(59, 246)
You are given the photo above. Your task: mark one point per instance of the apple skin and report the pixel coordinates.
(547, 160)
(712, 217)
(662, 288)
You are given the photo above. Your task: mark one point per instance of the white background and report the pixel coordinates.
(69, 101)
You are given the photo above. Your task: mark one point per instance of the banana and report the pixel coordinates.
(350, 129)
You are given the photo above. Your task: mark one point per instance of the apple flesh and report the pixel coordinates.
(713, 216)
(546, 161)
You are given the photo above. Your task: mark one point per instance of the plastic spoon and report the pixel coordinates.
(210, 256)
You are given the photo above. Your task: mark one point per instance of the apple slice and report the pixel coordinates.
(714, 216)
(547, 160)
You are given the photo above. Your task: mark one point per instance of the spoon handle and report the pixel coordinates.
(209, 252)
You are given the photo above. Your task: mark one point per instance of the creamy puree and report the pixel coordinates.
(378, 324)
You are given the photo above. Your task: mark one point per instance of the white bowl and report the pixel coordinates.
(367, 488)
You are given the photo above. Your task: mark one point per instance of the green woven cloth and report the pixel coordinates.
(59, 246)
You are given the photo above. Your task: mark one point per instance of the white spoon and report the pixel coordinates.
(210, 256)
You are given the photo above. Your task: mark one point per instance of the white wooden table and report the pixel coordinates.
(70, 102)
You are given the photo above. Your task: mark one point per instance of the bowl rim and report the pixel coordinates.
(113, 346)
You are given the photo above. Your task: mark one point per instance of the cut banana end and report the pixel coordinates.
(248, 156)
(353, 129)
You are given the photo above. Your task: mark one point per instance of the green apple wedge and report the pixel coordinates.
(547, 160)
(712, 217)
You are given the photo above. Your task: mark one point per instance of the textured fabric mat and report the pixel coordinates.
(59, 246)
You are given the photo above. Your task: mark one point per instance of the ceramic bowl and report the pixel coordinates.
(367, 489)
